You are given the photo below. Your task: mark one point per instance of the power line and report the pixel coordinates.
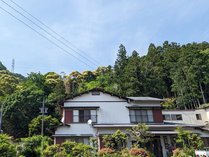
(64, 39)
(46, 31)
(51, 41)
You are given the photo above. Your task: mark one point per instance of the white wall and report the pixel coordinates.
(188, 116)
(76, 129)
(207, 113)
(111, 109)
(90, 97)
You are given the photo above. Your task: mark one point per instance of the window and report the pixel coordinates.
(198, 116)
(95, 93)
(137, 116)
(78, 139)
(176, 117)
(83, 115)
(172, 117)
(166, 117)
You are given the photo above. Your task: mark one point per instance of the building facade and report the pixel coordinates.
(96, 112)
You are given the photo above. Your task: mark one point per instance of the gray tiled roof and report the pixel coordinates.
(145, 99)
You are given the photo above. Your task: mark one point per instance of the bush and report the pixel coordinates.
(68, 146)
(50, 151)
(7, 148)
(117, 140)
(139, 152)
(76, 149)
(105, 151)
(81, 150)
(186, 152)
(31, 146)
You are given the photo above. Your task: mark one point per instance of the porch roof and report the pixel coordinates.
(160, 125)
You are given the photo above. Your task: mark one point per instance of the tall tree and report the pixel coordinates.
(119, 68)
(134, 78)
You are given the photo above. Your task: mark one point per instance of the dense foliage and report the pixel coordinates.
(173, 71)
(7, 147)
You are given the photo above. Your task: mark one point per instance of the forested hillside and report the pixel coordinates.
(177, 72)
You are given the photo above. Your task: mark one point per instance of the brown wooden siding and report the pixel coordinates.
(68, 116)
(157, 115)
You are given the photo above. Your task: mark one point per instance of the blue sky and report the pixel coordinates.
(97, 27)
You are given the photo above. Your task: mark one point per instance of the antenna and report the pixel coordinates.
(13, 66)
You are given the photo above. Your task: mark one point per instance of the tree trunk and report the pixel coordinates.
(202, 92)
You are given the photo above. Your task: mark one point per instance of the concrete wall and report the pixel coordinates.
(188, 116)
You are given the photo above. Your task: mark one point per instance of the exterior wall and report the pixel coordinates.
(112, 110)
(207, 114)
(188, 116)
(89, 97)
(68, 116)
(59, 140)
(157, 115)
(76, 130)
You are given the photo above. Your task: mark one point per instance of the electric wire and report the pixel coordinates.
(51, 41)
(47, 32)
(92, 60)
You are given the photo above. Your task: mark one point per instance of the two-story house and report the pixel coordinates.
(96, 112)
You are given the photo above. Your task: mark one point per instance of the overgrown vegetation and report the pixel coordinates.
(115, 145)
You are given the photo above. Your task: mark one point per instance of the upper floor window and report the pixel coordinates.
(95, 93)
(172, 117)
(83, 115)
(137, 116)
(198, 116)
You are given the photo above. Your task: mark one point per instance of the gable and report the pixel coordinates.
(103, 96)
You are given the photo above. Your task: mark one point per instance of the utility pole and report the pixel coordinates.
(43, 110)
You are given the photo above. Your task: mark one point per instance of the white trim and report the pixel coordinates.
(153, 126)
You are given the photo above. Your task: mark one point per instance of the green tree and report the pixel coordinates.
(134, 78)
(116, 141)
(32, 146)
(49, 124)
(186, 139)
(2, 67)
(140, 134)
(8, 82)
(151, 68)
(7, 147)
(20, 108)
(119, 68)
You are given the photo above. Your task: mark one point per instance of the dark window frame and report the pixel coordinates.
(84, 115)
(141, 116)
(95, 93)
(198, 117)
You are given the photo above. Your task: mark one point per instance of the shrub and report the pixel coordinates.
(179, 153)
(7, 148)
(105, 151)
(50, 151)
(139, 152)
(76, 149)
(117, 140)
(185, 152)
(68, 146)
(31, 146)
(81, 150)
